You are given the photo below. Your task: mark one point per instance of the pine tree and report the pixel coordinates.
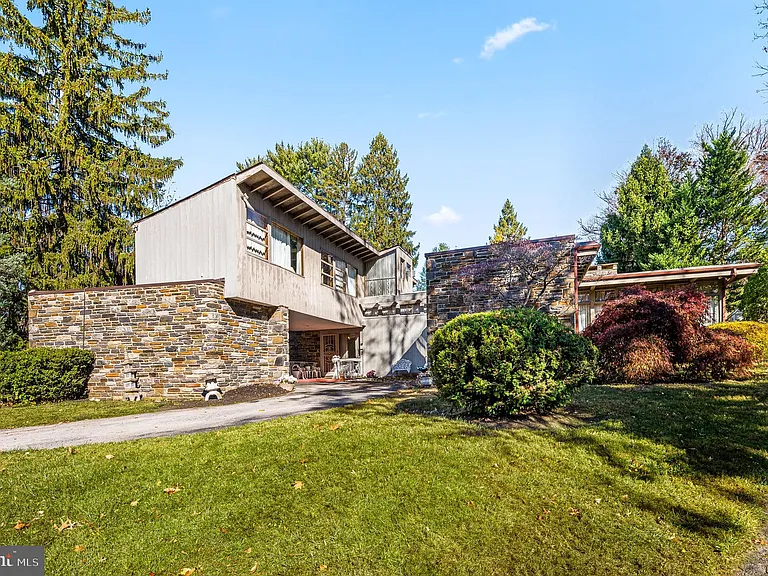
(318, 170)
(732, 215)
(75, 120)
(508, 226)
(652, 224)
(381, 203)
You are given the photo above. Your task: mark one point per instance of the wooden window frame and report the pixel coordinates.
(267, 233)
(294, 235)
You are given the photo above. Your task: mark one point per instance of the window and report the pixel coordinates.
(286, 249)
(337, 274)
(341, 276)
(326, 269)
(351, 280)
(256, 233)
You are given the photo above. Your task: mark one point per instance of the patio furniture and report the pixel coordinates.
(402, 366)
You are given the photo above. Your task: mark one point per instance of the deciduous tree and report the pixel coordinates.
(76, 123)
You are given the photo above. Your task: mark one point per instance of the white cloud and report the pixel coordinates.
(458, 60)
(445, 215)
(425, 115)
(503, 38)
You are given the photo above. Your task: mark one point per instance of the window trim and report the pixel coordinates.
(267, 234)
(294, 235)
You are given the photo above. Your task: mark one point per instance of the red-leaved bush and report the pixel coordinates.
(648, 336)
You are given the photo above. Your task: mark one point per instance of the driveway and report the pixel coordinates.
(305, 398)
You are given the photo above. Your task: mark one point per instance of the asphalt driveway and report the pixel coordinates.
(305, 398)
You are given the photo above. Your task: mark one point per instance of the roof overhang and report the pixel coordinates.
(728, 272)
(585, 253)
(263, 180)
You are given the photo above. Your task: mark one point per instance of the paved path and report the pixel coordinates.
(305, 398)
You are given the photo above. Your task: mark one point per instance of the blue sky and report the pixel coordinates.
(544, 113)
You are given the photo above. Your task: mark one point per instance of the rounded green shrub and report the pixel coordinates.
(510, 361)
(44, 375)
(756, 333)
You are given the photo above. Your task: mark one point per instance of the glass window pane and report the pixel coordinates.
(352, 281)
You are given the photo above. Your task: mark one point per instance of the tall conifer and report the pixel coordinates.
(76, 125)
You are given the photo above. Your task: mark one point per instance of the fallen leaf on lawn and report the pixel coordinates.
(186, 571)
(223, 530)
(298, 485)
(303, 461)
(109, 456)
(574, 512)
(65, 525)
(625, 496)
(71, 450)
(255, 567)
(20, 525)
(173, 490)
(79, 548)
(135, 503)
(598, 500)
(760, 542)
(247, 550)
(472, 504)
(333, 427)
(323, 567)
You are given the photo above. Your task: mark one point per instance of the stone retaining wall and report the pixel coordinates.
(449, 294)
(174, 336)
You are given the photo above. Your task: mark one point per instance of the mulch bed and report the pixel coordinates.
(236, 396)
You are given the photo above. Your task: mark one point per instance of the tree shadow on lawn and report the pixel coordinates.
(715, 435)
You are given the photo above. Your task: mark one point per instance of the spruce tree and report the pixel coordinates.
(381, 203)
(76, 121)
(652, 224)
(13, 311)
(508, 227)
(732, 215)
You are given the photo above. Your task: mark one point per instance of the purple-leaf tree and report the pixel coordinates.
(516, 273)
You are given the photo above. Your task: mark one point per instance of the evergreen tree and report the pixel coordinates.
(652, 223)
(317, 170)
(732, 216)
(508, 227)
(75, 119)
(381, 203)
(754, 299)
(13, 311)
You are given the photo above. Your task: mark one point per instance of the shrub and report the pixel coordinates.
(754, 299)
(509, 361)
(756, 333)
(648, 336)
(44, 375)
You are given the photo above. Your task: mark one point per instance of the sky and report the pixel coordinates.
(540, 102)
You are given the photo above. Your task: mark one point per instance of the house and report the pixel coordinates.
(241, 282)
(577, 295)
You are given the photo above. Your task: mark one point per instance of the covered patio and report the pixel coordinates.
(323, 351)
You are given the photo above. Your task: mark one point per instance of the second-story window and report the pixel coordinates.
(286, 249)
(351, 280)
(341, 276)
(326, 269)
(256, 233)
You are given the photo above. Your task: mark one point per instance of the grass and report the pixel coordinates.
(661, 480)
(71, 411)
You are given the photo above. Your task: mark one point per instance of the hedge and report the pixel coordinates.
(756, 333)
(44, 375)
(510, 361)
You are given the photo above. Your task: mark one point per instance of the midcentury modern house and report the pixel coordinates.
(578, 294)
(242, 281)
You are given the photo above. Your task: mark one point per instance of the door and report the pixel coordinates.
(329, 345)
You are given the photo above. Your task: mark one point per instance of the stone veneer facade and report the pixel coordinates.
(449, 295)
(174, 336)
(305, 346)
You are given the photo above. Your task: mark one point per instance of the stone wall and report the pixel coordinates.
(305, 346)
(450, 294)
(174, 336)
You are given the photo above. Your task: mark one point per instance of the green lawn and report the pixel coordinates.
(661, 480)
(70, 411)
